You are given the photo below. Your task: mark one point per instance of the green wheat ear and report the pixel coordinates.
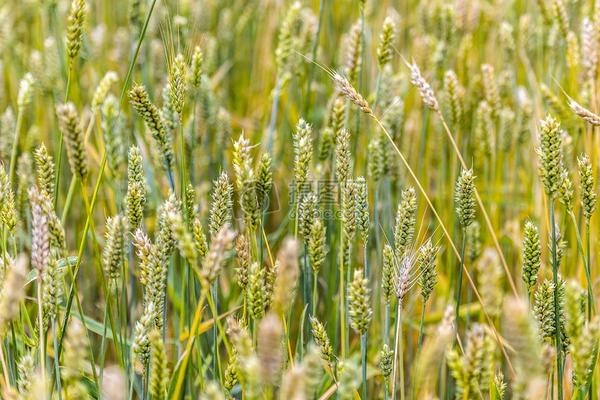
(472, 371)
(343, 167)
(170, 117)
(246, 182)
(588, 193)
(388, 273)
(464, 198)
(474, 241)
(242, 251)
(566, 190)
(264, 181)
(353, 52)
(500, 385)
(113, 127)
(256, 291)
(532, 250)
(405, 221)
(114, 248)
(199, 238)
(359, 310)
(308, 212)
(550, 155)
(362, 209)
(484, 125)
(386, 361)
(103, 88)
(349, 209)
(52, 290)
(302, 152)
(75, 24)
(490, 89)
(320, 335)
(454, 100)
(45, 174)
(376, 160)
(70, 126)
(317, 247)
(178, 83)
(26, 369)
(135, 199)
(386, 42)
(159, 372)
(140, 101)
(141, 340)
(561, 18)
(8, 208)
(545, 312)
(40, 231)
(196, 67)
(221, 204)
(326, 144)
(426, 258)
(337, 117)
(286, 38)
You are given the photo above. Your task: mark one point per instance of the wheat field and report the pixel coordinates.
(299, 200)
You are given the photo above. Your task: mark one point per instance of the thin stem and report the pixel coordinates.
(459, 276)
(273, 118)
(61, 139)
(213, 307)
(586, 266)
(314, 292)
(315, 47)
(69, 199)
(386, 327)
(307, 290)
(42, 343)
(363, 352)
(103, 342)
(557, 338)
(58, 168)
(342, 305)
(56, 361)
(591, 300)
(398, 354)
(4, 367)
(15, 148)
(421, 325)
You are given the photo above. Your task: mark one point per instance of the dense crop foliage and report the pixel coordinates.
(350, 199)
